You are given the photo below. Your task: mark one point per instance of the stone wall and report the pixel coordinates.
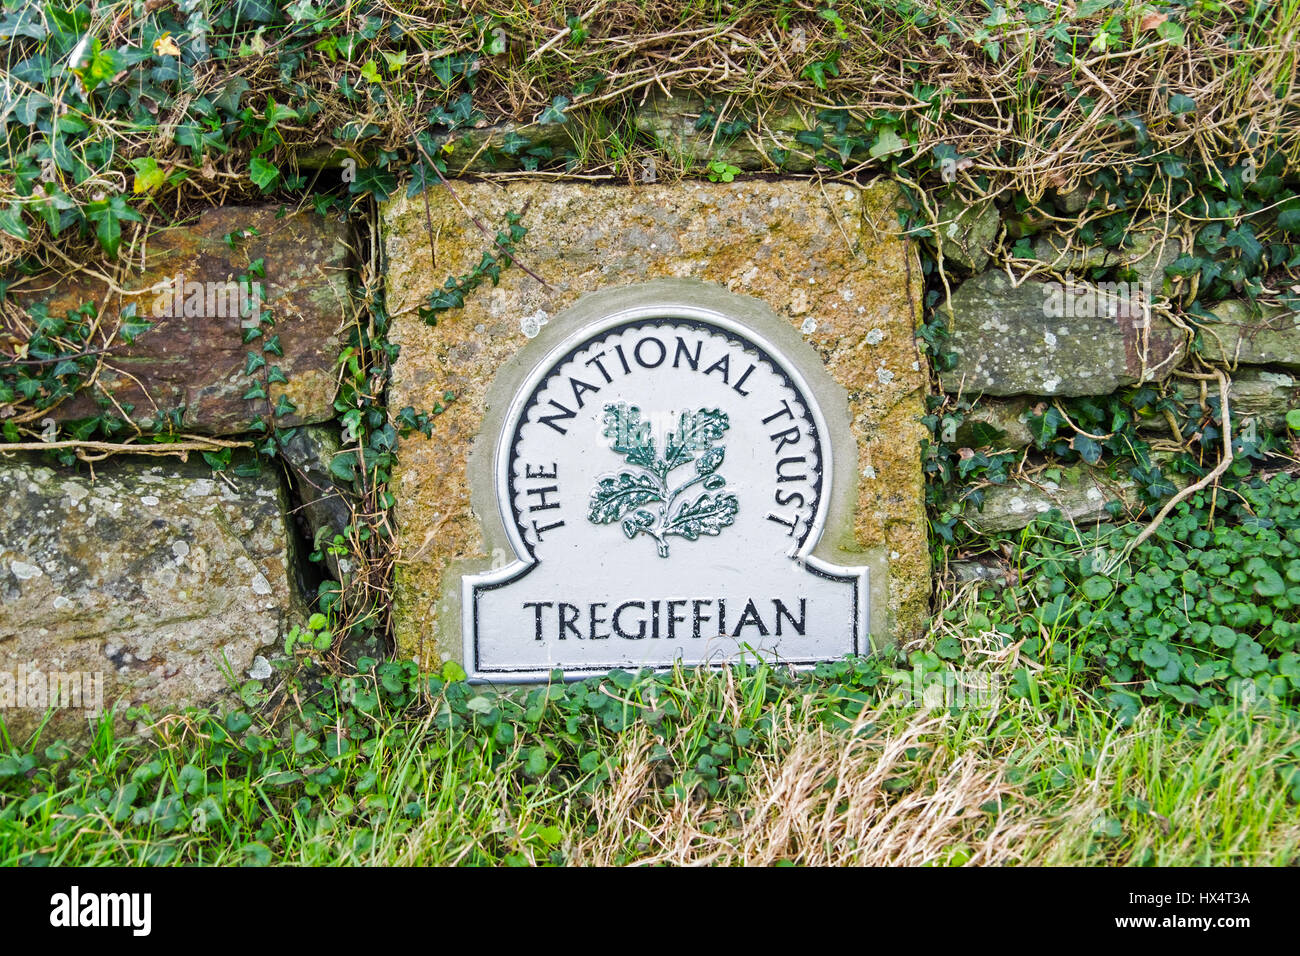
(174, 583)
(155, 581)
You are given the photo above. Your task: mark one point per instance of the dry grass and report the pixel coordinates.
(1026, 121)
(828, 801)
(916, 794)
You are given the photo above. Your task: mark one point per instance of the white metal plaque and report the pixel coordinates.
(663, 480)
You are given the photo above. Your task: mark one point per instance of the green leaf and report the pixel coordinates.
(452, 672)
(555, 112)
(11, 221)
(1223, 636)
(263, 173)
(148, 175)
(1088, 449)
(1269, 583)
(1288, 217)
(344, 466)
(275, 113)
(949, 648)
(1097, 587)
(1155, 654)
(1172, 31)
(887, 143)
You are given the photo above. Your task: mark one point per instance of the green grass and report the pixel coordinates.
(749, 765)
(1051, 721)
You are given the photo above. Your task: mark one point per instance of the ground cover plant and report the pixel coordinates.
(1047, 721)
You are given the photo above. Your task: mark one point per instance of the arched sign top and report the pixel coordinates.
(663, 477)
(652, 368)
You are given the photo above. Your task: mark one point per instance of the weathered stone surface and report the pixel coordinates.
(1254, 395)
(967, 232)
(1015, 341)
(1072, 200)
(160, 577)
(824, 258)
(196, 361)
(509, 145)
(1252, 336)
(1081, 496)
(670, 123)
(996, 423)
(986, 570)
(1146, 257)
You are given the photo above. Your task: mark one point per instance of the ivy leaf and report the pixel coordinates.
(11, 221)
(344, 466)
(1088, 449)
(263, 173)
(887, 143)
(108, 216)
(132, 326)
(275, 113)
(555, 112)
(1288, 217)
(1243, 238)
(104, 65)
(228, 99)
